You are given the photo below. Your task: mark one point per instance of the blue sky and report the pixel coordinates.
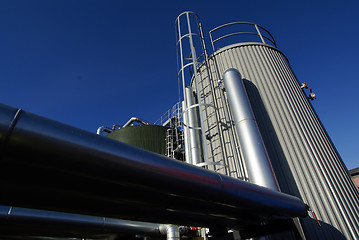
(90, 63)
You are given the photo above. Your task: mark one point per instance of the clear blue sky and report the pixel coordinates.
(90, 63)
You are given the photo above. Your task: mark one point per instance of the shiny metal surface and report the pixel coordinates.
(32, 222)
(50, 165)
(194, 142)
(171, 231)
(188, 37)
(258, 165)
(186, 135)
(304, 159)
(136, 119)
(103, 129)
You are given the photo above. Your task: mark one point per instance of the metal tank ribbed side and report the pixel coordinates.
(305, 161)
(148, 137)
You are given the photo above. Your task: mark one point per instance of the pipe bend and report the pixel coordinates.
(8, 119)
(231, 71)
(136, 119)
(102, 129)
(171, 231)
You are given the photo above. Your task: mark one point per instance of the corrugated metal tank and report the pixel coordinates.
(148, 137)
(305, 161)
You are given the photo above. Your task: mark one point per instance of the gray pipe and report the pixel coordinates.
(103, 129)
(187, 145)
(136, 119)
(193, 128)
(171, 231)
(49, 165)
(32, 222)
(258, 165)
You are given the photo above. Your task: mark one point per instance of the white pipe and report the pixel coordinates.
(171, 231)
(186, 135)
(193, 125)
(135, 119)
(102, 129)
(258, 165)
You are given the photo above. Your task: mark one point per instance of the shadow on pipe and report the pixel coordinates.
(50, 165)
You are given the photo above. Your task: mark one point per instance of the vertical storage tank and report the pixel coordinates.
(304, 159)
(148, 137)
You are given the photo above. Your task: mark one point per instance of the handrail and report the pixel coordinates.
(238, 33)
(256, 32)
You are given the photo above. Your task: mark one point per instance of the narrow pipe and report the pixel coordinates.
(258, 165)
(136, 119)
(193, 125)
(49, 165)
(103, 129)
(33, 222)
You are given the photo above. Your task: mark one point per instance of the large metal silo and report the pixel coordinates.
(304, 159)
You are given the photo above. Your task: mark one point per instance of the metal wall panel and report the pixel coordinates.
(304, 158)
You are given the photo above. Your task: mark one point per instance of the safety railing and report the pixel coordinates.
(173, 113)
(258, 30)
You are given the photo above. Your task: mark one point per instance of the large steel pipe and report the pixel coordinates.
(254, 152)
(78, 171)
(15, 221)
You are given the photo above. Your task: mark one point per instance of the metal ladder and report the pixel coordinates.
(189, 75)
(174, 135)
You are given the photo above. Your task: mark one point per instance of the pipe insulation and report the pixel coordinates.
(193, 128)
(186, 134)
(171, 231)
(48, 165)
(16, 221)
(257, 162)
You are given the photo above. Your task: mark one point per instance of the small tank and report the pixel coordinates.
(148, 137)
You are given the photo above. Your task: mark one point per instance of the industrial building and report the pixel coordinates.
(243, 155)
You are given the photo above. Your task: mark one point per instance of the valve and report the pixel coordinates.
(313, 213)
(304, 85)
(312, 95)
(193, 232)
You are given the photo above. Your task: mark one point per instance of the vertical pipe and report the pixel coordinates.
(193, 126)
(171, 231)
(187, 145)
(196, 82)
(259, 168)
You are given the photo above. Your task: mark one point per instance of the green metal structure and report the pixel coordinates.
(148, 137)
